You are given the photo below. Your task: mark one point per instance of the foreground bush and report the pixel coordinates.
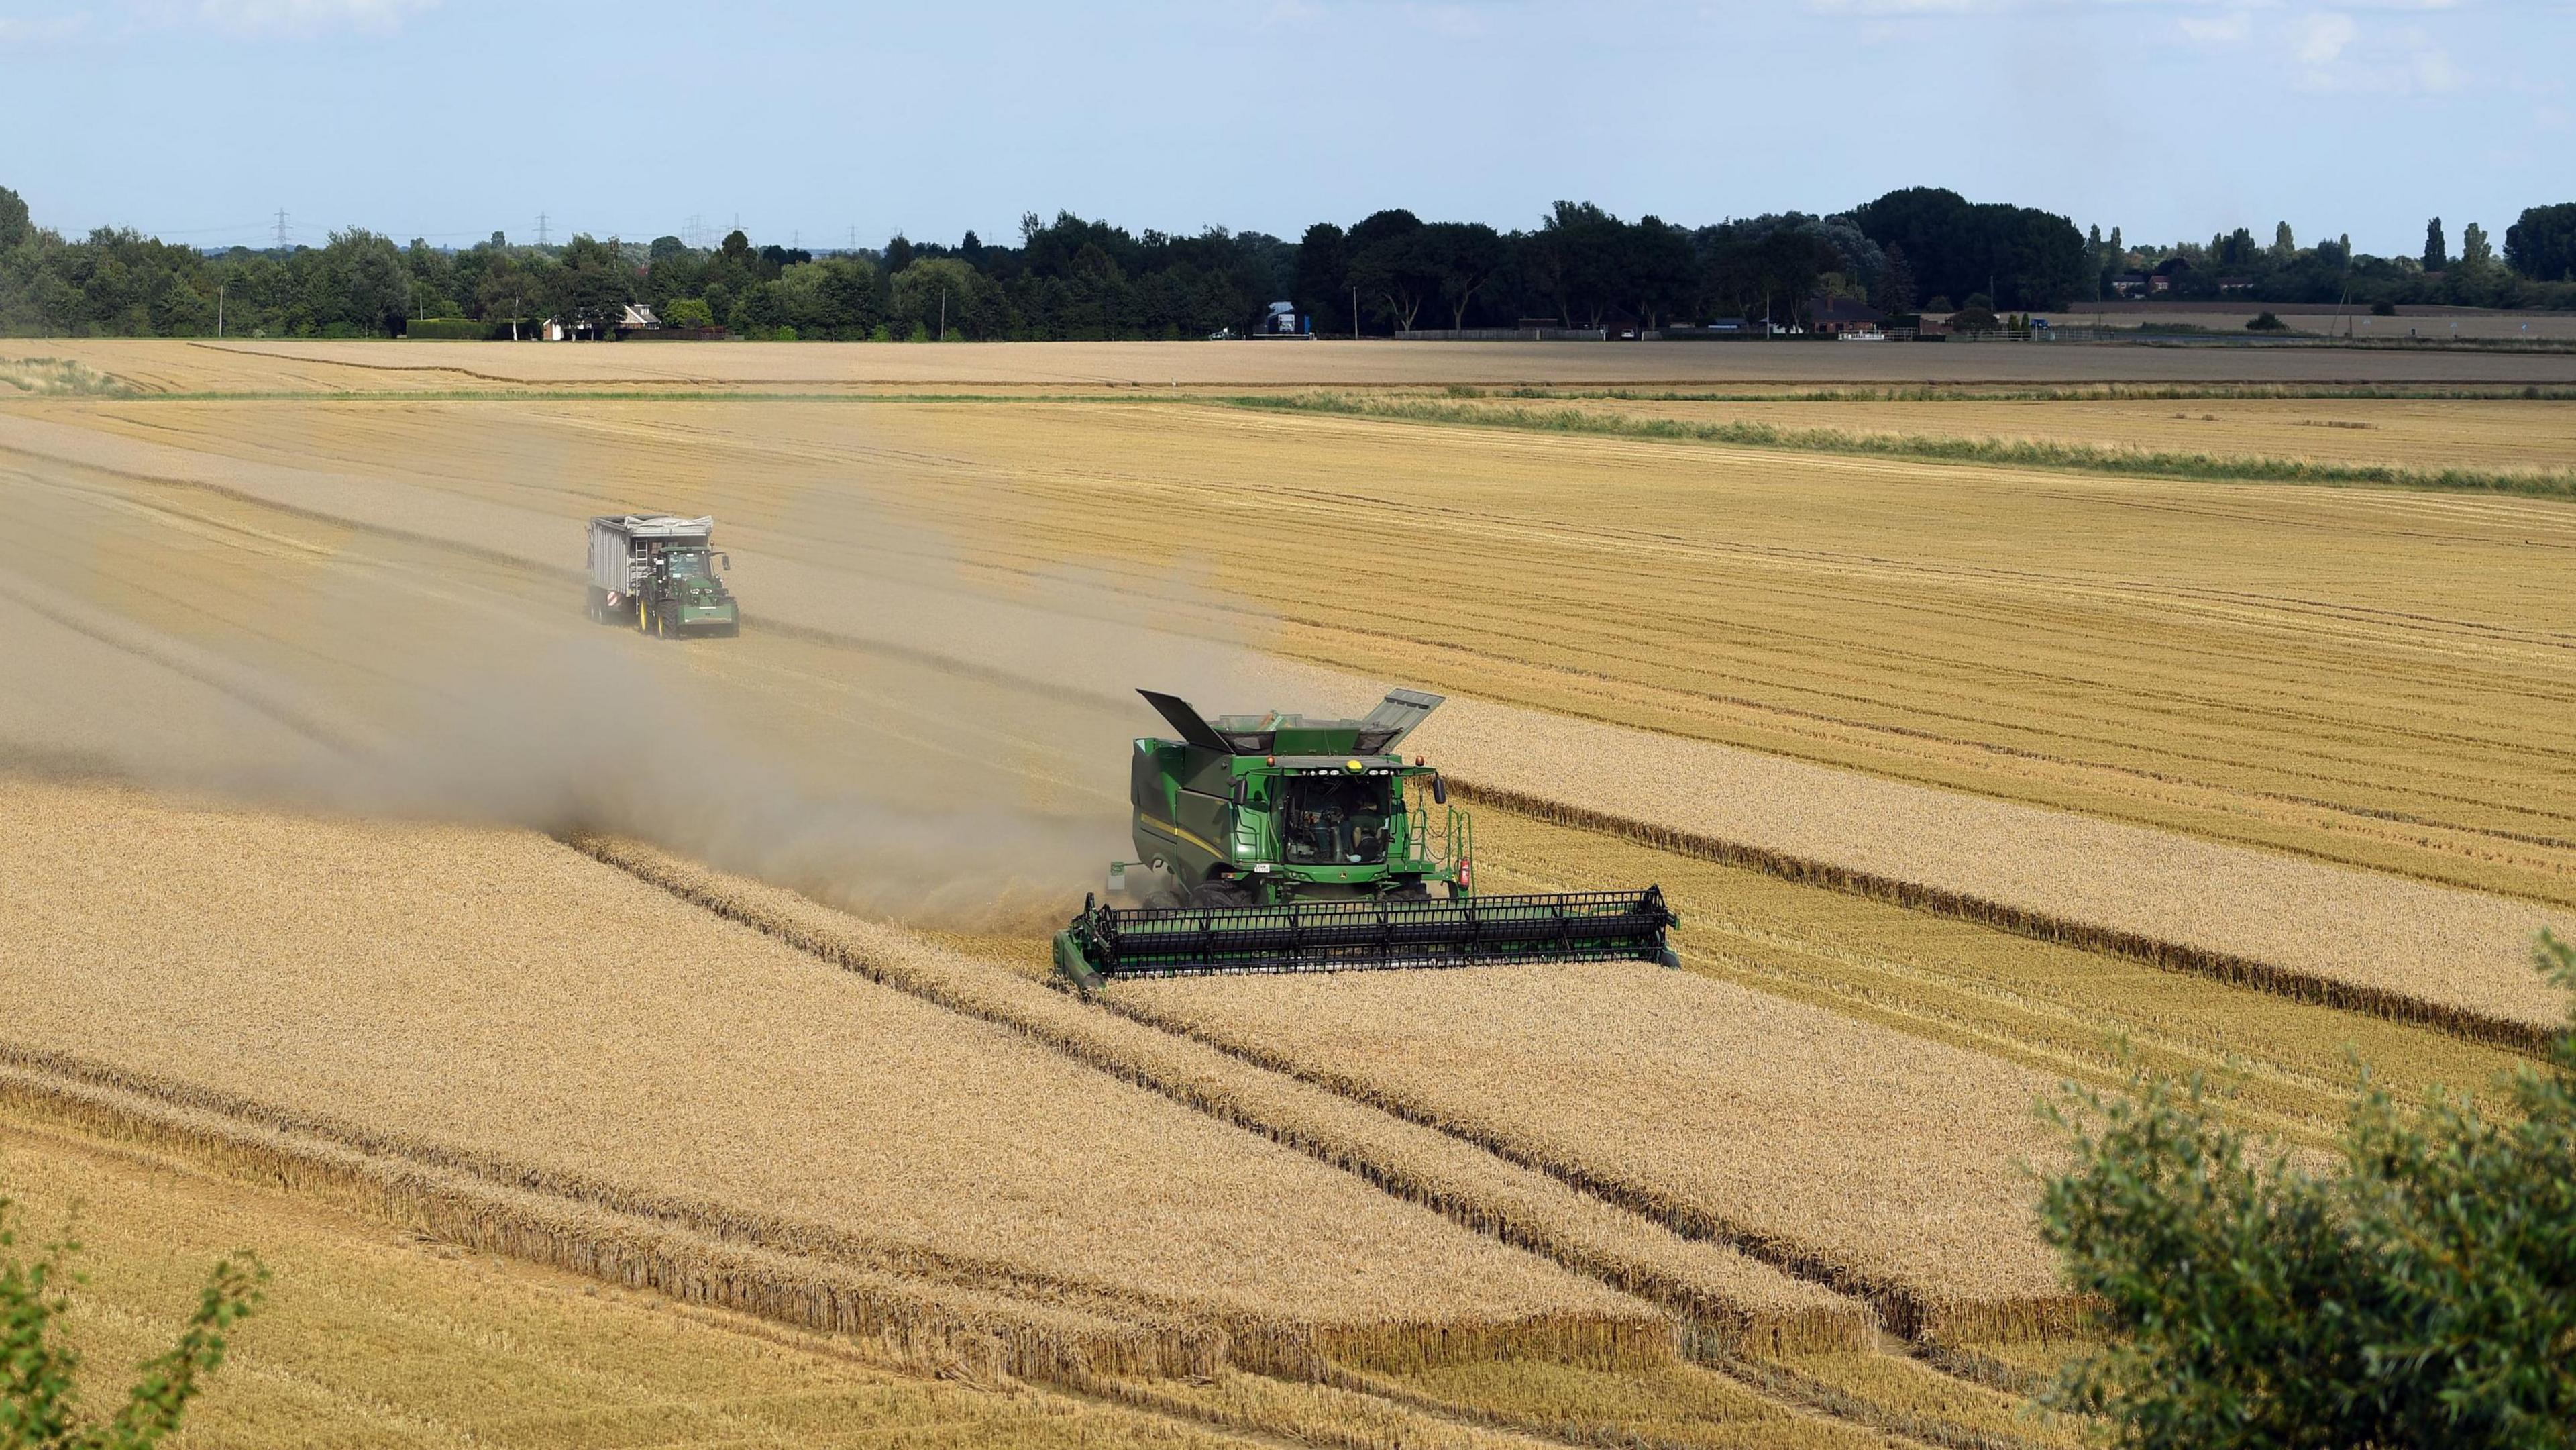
(2421, 1292)
(39, 1393)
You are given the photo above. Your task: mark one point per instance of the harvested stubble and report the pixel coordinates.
(370, 1339)
(490, 1003)
(1306, 1413)
(1880, 1164)
(1678, 1408)
(2455, 960)
(1904, 1396)
(1725, 1301)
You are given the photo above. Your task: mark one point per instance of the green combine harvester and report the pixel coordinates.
(1275, 843)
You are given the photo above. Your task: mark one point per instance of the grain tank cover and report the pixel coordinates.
(1275, 734)
(1394, 719)
(658, 526)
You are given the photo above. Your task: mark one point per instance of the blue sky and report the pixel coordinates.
(199, 119)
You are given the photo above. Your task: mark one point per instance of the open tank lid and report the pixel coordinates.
(1379, 732)
(658, 526)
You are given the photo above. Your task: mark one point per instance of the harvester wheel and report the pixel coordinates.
(1218, 895)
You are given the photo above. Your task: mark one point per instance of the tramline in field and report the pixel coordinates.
(1278, 843)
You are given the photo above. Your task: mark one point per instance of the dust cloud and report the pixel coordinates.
(920, 751)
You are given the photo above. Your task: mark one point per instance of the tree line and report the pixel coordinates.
(1920, 248)
(2536, 269)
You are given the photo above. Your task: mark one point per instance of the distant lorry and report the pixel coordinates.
(659, 572)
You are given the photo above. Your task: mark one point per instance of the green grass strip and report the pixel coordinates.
(1992, 452)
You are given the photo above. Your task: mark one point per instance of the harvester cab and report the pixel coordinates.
(1280, 843)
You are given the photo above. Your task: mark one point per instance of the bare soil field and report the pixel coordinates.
(2325, 319)
(283, 366)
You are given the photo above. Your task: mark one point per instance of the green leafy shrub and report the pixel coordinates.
(2421, 1292)
(39, 1390)
(2267, 323)
(447, 329)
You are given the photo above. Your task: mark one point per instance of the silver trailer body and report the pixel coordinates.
(619, 545)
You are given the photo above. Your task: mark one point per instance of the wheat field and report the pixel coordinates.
(2054, 1007)
(254, 365)
(1953, 769)
(1889, 1167)
(2274, 667)
(495, 1003)
(369, 1337)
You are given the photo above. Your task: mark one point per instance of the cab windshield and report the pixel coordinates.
(686, 563)
(1335, 820)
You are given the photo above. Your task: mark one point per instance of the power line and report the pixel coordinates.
(281, 229)
(541, 229)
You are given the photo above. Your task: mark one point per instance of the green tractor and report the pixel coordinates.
(1278, 843)
(658, 572)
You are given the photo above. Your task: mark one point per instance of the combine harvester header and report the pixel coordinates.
(1276, 843)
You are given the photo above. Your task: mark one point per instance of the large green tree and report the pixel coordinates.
(15, 226)
(2420, 1292)
(2542, 244)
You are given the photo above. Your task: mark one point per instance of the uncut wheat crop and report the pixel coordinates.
(1883, 1163)
(2450, 957)
(494, 999)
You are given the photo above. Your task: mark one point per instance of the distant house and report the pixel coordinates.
(2235, 284)
(637, 318)
(2162, 278)
(1837, 315)
(2129, 284)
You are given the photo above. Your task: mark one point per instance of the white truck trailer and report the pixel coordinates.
(659, 573)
